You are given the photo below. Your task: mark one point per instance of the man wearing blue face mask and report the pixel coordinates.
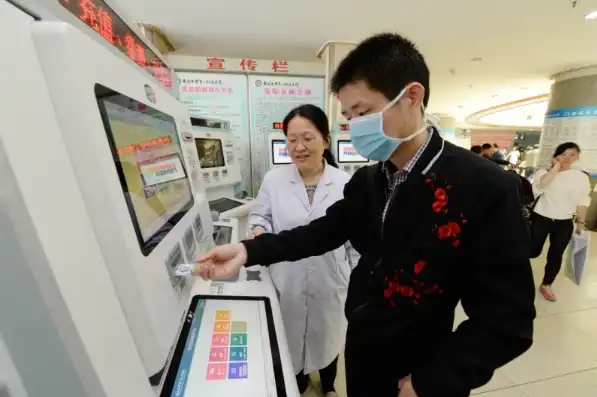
(435, 225)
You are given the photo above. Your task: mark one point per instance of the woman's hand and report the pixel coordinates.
(580, 227)
(256, 231)
(221, 262)
(555, 163)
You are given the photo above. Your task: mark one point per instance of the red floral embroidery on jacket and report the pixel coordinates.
(448, 229)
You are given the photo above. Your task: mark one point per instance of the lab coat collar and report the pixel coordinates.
(298, 187)
(326, 178)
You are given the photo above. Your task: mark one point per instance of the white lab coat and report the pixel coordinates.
(313, 290)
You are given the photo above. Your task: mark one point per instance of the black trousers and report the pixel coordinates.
(327, 376)
(559, 233)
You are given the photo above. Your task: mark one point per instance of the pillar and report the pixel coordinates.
(572, 116)
(333, 52)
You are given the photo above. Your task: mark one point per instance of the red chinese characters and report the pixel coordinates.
(88, 14)
(280, 66)
(248, 64)
(105, 25)
(215, 63)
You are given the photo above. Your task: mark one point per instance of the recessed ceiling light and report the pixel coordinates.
(591, 15)
(476, 59)
(495, 96)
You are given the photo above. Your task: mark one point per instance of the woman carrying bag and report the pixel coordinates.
(562, 192)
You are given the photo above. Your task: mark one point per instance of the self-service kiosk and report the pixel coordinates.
(98, 204)
(349, 160)
(220, 172)
(277, 151)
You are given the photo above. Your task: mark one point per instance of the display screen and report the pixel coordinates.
(280, 152)
(147, 154)
(348, 154)
(100, 17)
(211, 152)
(222, 234)
(227, 347)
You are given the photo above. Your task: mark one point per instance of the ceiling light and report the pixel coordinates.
(476, 59)
(591, 15)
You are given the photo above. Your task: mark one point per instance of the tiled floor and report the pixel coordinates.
(563, 359)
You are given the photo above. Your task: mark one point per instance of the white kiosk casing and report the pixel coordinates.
(349, 160)
(220, 170)
(89, 89)
(63, 332)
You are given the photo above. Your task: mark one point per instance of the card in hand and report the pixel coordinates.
(184, 269)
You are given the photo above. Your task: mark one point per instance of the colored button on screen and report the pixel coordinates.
(238, 371)
(238, 354)
(238, 340)
(239, 326)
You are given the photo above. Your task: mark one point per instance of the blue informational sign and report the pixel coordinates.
(579, 125)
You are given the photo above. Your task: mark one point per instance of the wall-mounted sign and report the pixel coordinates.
(100, 17)
(271, 98)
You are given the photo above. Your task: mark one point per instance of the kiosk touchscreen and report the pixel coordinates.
(349, 160)
(121, 133)
(278, 151)
(227, 347)
(220, 168)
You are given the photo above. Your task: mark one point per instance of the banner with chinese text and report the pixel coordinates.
(224, 97)
(270, 100)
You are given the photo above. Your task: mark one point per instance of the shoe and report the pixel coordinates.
(548, 293)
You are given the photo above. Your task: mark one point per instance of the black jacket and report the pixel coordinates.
(455, 234)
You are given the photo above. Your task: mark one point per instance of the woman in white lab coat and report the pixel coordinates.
(312, 293)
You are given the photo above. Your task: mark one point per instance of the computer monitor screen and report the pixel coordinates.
(348, 154)
(280, 152)
(211, 152)
(148, 158)
(227, 347)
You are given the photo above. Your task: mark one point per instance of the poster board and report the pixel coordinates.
(578, 125)
(221, 96)
(270, 100)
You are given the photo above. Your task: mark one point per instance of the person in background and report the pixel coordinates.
(312, 292)
(514, 156)
(435, 225)
(487, 150)
(476, 149)
(562, 192)
(497, 154)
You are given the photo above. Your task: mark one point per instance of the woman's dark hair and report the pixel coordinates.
(561, 149)
(318, 118)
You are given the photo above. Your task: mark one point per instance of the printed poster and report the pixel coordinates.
(570, 125)
(270, 100)
(224, 97)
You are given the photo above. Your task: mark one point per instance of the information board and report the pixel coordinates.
(221, 96)
(570, 125)
(227, 347)
(270, 100)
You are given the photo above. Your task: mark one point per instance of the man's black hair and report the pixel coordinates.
(387, 62)
(561, 149)
(486, 146)
(476, 149)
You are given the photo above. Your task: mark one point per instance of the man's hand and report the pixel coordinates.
(406, 388)
(221, 262)
(256, 231)
(580, 227)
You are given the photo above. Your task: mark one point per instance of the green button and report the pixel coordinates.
(238, 339)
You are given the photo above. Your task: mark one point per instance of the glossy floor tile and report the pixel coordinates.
(563, 359)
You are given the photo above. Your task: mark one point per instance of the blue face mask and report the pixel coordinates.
(368, 135)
